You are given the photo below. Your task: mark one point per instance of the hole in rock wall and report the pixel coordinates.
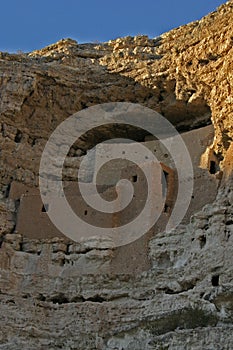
(214, 168)
(18, 136)
(60, 299)
(202, 240)
(215, 280)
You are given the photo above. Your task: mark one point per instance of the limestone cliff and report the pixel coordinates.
(185, 301)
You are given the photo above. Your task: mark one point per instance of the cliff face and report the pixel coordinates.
(186, 299)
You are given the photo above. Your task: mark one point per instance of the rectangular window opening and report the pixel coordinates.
(134, 178)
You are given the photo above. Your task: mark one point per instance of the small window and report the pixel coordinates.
(85, 212)
(165, 175)
(166, 208)
(213, 167)
(45, 208)
(134, 178)
(164, 183)
(215, 280)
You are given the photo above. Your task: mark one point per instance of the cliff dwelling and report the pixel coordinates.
(170, 288)
(33, 222)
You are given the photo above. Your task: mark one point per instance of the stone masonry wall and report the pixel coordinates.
(185, 299)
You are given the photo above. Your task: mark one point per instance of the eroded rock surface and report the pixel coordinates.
(185, 301)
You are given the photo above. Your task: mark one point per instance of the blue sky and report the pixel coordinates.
(32, 24)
